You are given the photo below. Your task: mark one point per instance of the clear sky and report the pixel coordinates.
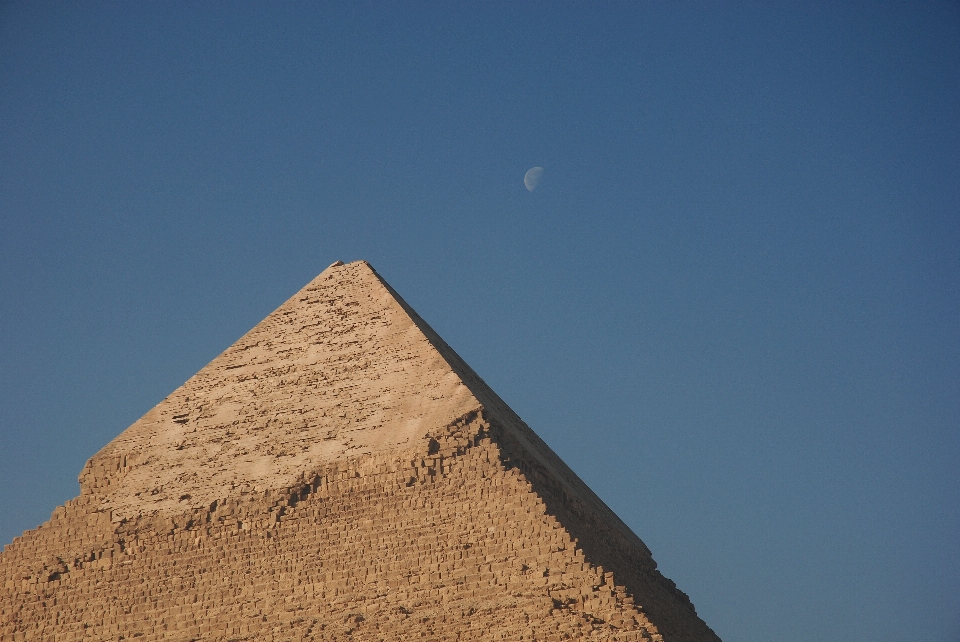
(732, 303)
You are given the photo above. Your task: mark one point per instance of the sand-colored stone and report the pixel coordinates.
(339, 473)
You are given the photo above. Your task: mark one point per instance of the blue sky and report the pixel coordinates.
(732, 304)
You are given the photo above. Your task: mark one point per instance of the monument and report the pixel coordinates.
(339, 473)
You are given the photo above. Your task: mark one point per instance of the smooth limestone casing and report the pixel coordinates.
(338, 473)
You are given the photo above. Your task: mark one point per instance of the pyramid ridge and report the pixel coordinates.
(504, 415)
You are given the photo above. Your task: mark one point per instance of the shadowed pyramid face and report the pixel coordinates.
(338, 473)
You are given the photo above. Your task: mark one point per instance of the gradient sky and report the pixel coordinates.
(732, 304)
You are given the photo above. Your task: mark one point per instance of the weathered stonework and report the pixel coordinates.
(339, 473)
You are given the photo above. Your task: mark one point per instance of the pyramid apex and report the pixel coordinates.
(351, 264)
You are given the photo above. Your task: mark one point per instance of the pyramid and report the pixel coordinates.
(339, 473)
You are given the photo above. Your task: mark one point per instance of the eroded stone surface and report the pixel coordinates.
(337, 474)
(338, 370)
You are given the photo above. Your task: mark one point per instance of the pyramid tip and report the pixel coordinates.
(353, 263)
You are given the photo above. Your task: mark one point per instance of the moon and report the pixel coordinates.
(532, 177)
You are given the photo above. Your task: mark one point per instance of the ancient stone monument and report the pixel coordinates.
(339, 473)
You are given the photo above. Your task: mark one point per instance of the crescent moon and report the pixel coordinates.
(532, 177)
